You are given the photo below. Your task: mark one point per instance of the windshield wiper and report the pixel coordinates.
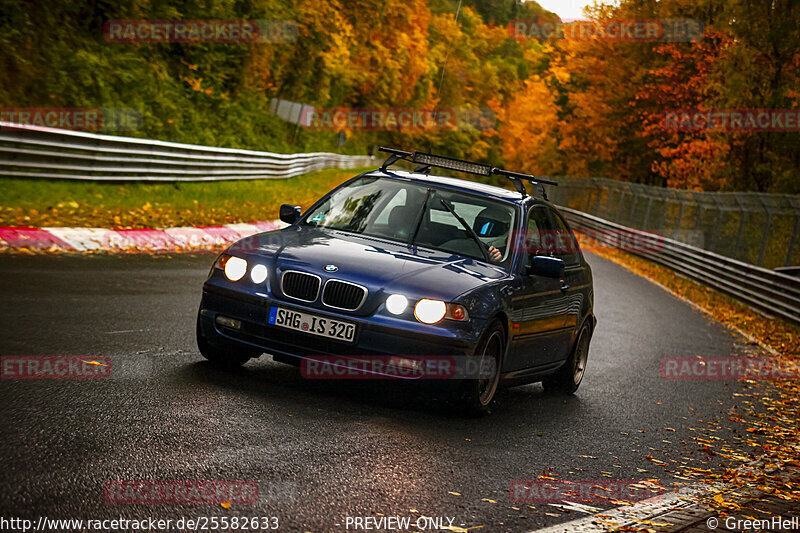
(467, 227)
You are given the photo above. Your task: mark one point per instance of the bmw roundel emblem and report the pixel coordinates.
(331, 268)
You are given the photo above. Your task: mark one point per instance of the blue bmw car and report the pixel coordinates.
(398, 263)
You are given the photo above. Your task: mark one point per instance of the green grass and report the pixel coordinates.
(39, 202)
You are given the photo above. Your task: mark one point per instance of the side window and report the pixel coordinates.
(565, 245)
(539, 229)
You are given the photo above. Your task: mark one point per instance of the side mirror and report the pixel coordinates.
(290, 213)
(548, 267)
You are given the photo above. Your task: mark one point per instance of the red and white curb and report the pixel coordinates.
(184, 239)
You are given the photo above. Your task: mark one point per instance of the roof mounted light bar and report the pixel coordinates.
(469, 167)
(452, 164)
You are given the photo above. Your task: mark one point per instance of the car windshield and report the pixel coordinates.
(405, 212)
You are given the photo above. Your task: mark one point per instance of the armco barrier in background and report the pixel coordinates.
(41, 152)
(772, 293)
(756, 228)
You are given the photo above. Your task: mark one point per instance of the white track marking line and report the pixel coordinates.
(628, 514)
(576, 507)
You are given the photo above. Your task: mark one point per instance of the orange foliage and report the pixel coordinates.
(528, 122)
(693, 159)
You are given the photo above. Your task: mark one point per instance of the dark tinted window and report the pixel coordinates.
(538, 228)
(566, 247)
(548, 235)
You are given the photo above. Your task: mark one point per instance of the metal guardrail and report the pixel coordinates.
(772, 293)
(39, 152)
(758, 228)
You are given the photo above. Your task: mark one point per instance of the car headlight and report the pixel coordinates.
(396, 304)
(258, 274)
(430, 311)
(235, 267)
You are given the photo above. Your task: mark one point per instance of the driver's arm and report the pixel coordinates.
(494, 254)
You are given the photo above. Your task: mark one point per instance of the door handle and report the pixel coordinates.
(564, 286)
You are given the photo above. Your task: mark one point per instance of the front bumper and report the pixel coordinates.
(376, 335)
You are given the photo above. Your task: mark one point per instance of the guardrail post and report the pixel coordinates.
(736, 250)
(622, 194)
(599, 189)
(715, 232)
(588, 199)
(765, 237)
(678, 219)
(699, 216)
(647, 212)
(792, 242)
(632, 212)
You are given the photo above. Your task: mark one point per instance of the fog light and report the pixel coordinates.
(396, 304)
(235, 268)
(430, 311)
(258, 274)
(404, 366)
(229, 322)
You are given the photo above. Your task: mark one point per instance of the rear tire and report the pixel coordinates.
(478, 394)
(230, 357)
(568, 378)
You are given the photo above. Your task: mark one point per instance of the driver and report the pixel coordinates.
(492, 226)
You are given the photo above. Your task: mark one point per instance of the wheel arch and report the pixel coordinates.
(502, 316)
(592, 320)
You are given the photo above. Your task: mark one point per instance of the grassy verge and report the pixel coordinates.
(41, 203)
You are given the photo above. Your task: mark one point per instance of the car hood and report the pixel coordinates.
(380, 265)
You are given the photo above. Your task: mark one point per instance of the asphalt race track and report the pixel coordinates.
(319, 451)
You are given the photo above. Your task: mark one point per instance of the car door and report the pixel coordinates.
(540, 336)
(574, 284)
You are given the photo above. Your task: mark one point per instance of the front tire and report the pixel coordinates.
(229, 357)
(568, 378)
(479, 392)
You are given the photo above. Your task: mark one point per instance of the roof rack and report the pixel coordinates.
(430, 160)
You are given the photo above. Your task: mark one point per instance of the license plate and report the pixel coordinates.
(315, 325)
